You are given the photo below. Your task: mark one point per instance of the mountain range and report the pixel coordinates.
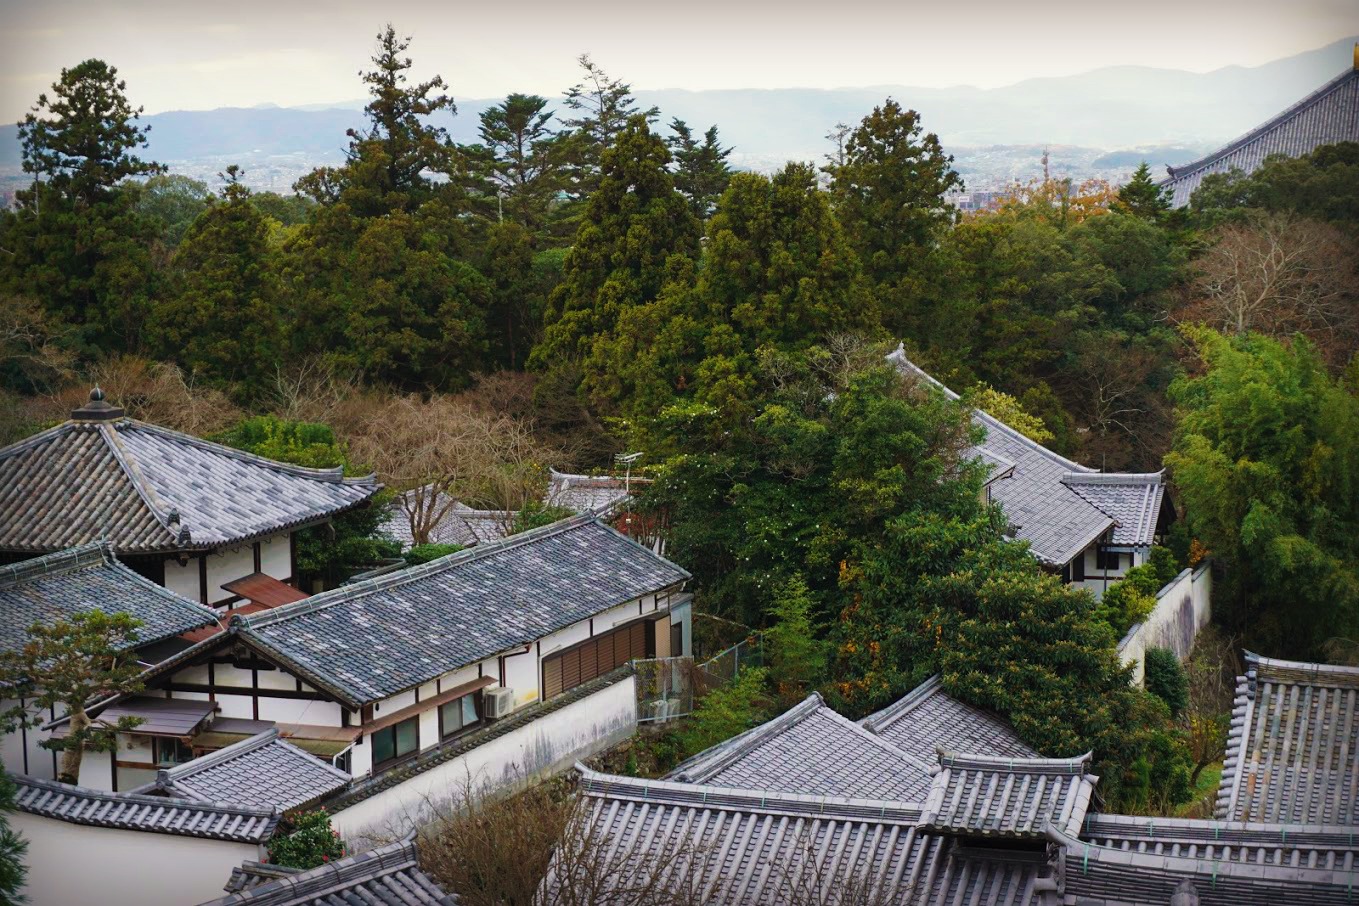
(1164, 115)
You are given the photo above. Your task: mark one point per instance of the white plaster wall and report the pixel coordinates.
(12, 746)
(521, 675)
(300, 711)
(1182, 609)
(429, 728)
(183, 580)
(74, 863)
(276, 557)
(277, 679)
(547, 745)
(226, 566)
(96, 771)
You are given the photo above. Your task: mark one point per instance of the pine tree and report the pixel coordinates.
(602, 107)
(12, 846)
(77, 240)
(701, 171)
(520, 159)
(1141, 196)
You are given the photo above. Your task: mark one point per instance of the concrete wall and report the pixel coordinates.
(1183, 607)
(75, 863)
(539, 748)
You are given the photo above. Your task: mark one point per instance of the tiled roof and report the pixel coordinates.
(150, 489)
(812, 750)
(1053, 503)
(599, 494)
(754, 847)
(154, 814)
(1333, 847)
(1293, 753)
(1328, 115)
(389, 876)
(58, 586)
(253, 874)
(1093, 875)
(372, 639)
(263, 770)
(928, 719)
(1015, 798)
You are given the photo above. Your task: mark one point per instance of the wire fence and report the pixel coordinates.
(727, 666)
(667, 687)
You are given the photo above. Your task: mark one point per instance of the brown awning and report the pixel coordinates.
(396, 717)
(264, 590)
(159, 716)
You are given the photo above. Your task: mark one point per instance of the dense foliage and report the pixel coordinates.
(1165, 678)
(306, 841)
(12, 846)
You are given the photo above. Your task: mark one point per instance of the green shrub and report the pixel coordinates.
(536, 514)
(1166, 679)
(308, 841)
(726, 711)
(423, 553)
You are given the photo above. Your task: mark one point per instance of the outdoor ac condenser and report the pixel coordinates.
(497, 701)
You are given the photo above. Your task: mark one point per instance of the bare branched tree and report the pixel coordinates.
(159, 393)
(439, 452)
(1279, 274)
(1212, 684)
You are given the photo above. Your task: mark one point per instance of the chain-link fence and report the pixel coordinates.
(749, 652)
(666, 688)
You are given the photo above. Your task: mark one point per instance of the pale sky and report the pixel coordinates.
(197, 55)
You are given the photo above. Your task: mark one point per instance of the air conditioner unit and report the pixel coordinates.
(497, 701)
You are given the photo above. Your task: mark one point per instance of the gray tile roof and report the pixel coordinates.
(1293, 753)
(1014, 798)
(264, 770)
(459, 525)
(754, 847)
(58, 586)
(602, 495)
(1330, 847)
(372, 639)
(388, 876)
(928, 719)
(812, 750)
(1093, 875)
(1057, 505)
(153, 814)
(150, 489)
(1328, 115)
(253, 874)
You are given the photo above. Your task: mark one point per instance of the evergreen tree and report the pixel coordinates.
(601, 107)
(520, 159)
(12, 846)
(1141, 197)
(517, 294)
(221, 321)
(793, 650)
(174, 202)
(701, 171)
(635, 232)
(77, 240)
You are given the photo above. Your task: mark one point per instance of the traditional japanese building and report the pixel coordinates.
(189, 514)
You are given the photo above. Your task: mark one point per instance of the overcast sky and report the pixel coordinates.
(190, 54)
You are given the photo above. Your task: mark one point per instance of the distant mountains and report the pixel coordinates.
(1131, 111)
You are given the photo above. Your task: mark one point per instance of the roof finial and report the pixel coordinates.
(97, 409)
(96, 395)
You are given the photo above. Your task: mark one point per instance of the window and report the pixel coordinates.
(395, 742)
(458, 715)
(1106, 559)
(344, 761)
(597, 656)
(170, 750)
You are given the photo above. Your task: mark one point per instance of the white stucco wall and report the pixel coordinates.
(75, 863)
(276, 557)
(12, 745)
(228, 564)
(549, 744)
(1182, 609)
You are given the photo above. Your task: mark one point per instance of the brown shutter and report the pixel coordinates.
(589, 661)
(571, 669)
(552, 676)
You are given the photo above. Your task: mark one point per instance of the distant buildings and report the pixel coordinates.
(1326, 116)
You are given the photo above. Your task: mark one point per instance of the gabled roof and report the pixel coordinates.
(1060, 507)
(375, 638)
(1322, 846)
(388, 876)
(812, 750)
(1293, 753)
(1328, 115)
(154, 814)
(1015, 798)
(928, 719)
(602, 495)
(149, 489)
(756, 847)
(58, 586)
(264, 771)
(1104, 876)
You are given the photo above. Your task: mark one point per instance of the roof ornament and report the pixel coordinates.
(1185, 894)
(97, 409)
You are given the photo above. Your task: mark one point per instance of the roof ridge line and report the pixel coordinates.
(333, 475)
(880, 741)
(1273, 122)
(222, 755)
(1114, 477)
(108, 431)
(447, 563)
(390, 858)
(84, 792)
(1015, 765)
(65, 560)
(721, 756)
(884, 717)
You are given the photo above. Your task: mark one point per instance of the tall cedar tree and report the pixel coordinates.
(518, 294)
(221, 320)
(387, 161)
(65, 665)
(1266, 460)
(520, 160)
(77, 240)
(701, 171)
(889, 194)
(1141, 197)
(601, 109)
(636, 233)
